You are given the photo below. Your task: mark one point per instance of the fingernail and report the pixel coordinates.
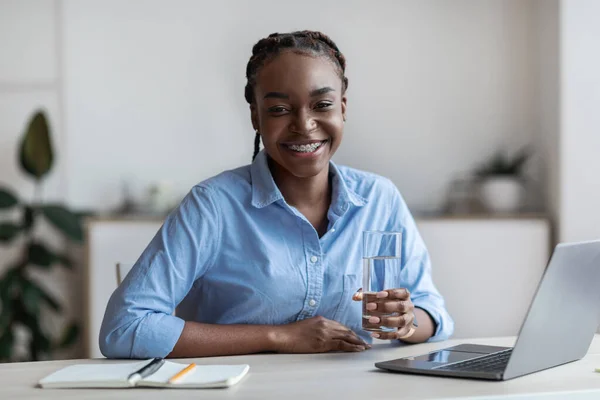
(374, 320)
(371, 306)
(367, 345)
(375, 335)
(361, 348)
(380, 295)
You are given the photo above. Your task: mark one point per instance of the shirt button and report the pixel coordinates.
(314, 259)
(332, 230)
(312, 302)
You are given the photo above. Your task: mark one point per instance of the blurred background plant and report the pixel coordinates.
(501, 164)
(23, 300)
(503, 183)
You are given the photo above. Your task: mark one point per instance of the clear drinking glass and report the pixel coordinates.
(381, 271)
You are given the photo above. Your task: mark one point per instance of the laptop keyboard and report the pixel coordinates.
(491, 363)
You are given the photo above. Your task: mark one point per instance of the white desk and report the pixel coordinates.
(333, 376)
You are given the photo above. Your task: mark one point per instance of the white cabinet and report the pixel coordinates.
(486, 269)
(109, 241)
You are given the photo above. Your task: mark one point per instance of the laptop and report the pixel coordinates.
(558, 328)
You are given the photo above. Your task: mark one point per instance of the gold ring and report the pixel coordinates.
(409, 334)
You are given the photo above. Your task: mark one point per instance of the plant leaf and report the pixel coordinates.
(27, 218)
(9, 281)
(41, 295)
(64, 220)
(7, 199)
(31, 298)
(36, 154)
(5, 317)
(64, 261)
(6, 284)
(70, 336)
(8, 231)
(6, 344)
(40, 255)
(39, 342)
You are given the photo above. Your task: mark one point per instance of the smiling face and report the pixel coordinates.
(299, 109)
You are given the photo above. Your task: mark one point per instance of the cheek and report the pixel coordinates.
(334, 126)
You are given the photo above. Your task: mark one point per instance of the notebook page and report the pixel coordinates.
(201, 376)
(93, 375)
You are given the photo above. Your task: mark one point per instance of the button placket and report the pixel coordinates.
(314, 267)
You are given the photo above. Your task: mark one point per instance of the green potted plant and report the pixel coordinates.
(501, 181)
(23, 300)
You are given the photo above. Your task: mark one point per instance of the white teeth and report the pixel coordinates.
(306, 148)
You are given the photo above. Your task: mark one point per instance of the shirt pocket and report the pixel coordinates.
(351, 285)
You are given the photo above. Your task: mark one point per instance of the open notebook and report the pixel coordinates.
(115, 375)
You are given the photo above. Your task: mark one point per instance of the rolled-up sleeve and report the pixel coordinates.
(139, 320)
(416, 270)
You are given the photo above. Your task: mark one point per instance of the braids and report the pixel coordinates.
(311, 42)
(256, 145)
(303, 41)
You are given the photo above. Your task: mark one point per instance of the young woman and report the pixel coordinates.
(267, 257)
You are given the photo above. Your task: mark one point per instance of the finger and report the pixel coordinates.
(396, 294)
(399, 321)
(385, 335)
(404, 331)
(390, 306)
(400, 307)
(342, 345)
(395, 321)
(358, 296)
(351, 337)
(341, 331)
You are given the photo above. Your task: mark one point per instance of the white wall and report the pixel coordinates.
(580, 125)
(154, 91)
(29, 78)
(547, 88)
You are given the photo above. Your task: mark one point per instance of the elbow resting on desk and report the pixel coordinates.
(152, 335)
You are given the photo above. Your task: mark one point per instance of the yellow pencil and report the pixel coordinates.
(181, 373)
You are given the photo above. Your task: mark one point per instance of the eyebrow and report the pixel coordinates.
(276, 95)
(316, 92)
(323, 90)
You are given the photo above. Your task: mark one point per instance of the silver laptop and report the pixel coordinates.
(559, 327)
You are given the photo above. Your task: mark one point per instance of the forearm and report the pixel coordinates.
(426, 327)
(205, 340)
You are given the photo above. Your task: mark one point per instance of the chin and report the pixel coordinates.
(307, 170)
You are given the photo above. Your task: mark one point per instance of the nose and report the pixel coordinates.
(303, 122)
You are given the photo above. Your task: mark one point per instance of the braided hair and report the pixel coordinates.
(310, 42)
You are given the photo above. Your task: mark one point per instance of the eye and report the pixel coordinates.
(277, 109)
(323, 105)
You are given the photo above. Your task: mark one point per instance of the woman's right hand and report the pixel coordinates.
(316, 335)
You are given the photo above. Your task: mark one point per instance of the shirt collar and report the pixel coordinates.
(266, 192)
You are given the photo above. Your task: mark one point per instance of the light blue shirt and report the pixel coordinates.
(234, 252)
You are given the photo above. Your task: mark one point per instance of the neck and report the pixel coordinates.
(302, 192)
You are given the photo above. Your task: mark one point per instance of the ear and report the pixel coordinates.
(344, 99)
(254, 117)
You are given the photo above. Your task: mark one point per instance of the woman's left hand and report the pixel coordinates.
(395, 302)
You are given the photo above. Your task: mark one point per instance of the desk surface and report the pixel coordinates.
(333, 376)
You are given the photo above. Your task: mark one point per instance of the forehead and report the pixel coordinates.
(291, 72)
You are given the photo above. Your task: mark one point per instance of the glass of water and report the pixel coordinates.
(381, 271)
